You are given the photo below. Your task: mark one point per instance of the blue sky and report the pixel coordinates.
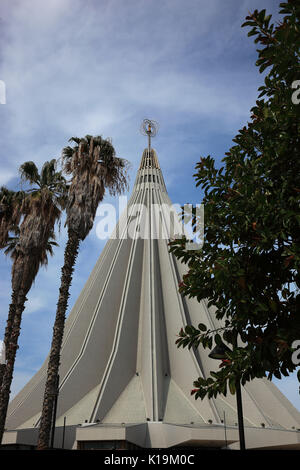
(77, 67)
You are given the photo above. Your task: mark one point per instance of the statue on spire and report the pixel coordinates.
(149, 128)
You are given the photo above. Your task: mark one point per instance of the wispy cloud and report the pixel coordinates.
(71, 69)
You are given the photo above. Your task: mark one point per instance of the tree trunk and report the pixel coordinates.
(2, 371)
(8, 330)
(11, 351)
(70, 256)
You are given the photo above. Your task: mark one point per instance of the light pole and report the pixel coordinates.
(219, 352)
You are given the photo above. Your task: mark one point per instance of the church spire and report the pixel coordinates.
(149, 172)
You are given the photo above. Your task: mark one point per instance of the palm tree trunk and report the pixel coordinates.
(11, 352)
(70, 256)
(2, 370)
(8, 330)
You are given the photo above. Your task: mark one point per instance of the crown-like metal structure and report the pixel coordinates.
(149, 128)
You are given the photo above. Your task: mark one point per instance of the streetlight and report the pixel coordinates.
(219, 352)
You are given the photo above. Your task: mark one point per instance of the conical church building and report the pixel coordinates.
(123, 382)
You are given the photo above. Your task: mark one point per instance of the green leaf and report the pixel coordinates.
(202, 327)
(214, 374)
(277, 374)
(273, 305)
(189, 330)
(218, 340)
(248, 23)
(232, 385)
(252, 32)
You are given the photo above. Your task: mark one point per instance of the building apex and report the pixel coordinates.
(149, 161)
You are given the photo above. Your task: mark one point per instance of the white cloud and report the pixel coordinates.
(73, 70)
(6, 175)
(34, 304)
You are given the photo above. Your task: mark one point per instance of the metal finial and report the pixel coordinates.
(149, 128)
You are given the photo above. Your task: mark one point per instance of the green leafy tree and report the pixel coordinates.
(93, 167)
(39, 209)
(248, 267)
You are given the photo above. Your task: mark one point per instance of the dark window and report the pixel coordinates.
(106, 445)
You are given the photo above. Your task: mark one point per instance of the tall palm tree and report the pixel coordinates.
(40, 209)
(9, 219)
(93, 167)
(12, 249)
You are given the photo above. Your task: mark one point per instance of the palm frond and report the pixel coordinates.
(48, 172)
(94, 167)
(29, 172)
(10, 212)
(11, 245)
(67, 152)
(75, 139)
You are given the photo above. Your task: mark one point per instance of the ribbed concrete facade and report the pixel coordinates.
(122, 376)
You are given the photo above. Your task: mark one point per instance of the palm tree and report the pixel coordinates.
(40, 210)
(93, 167)
(10, 215)
(8, 220)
